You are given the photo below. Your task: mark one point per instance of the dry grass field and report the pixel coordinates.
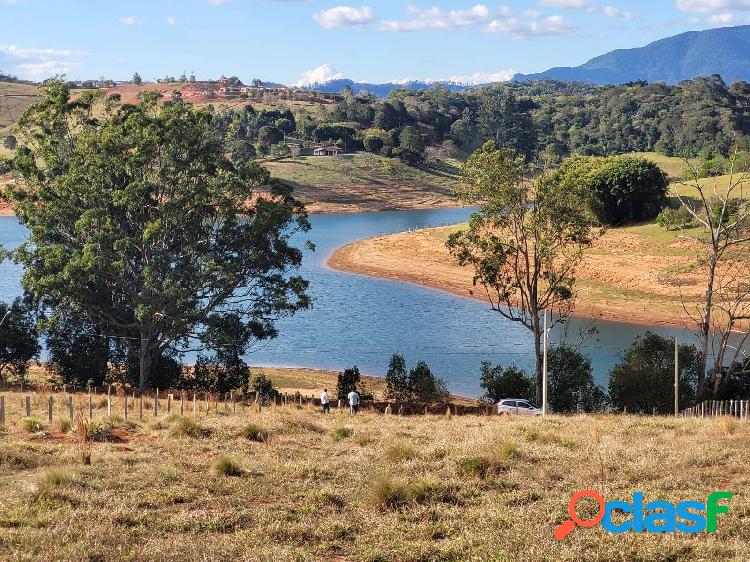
(290, 483)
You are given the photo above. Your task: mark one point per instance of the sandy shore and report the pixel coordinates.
(624, 277)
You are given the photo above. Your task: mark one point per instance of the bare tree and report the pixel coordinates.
(723, 217)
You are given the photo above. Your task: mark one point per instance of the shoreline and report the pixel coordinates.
(358, 258)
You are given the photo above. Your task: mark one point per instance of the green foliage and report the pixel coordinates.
(79, 351)
(644, 378)
(263, 388)
(161, 232)
(525, 241)
(347, 381)
(18, 339)
(424, 386)
(511, 382)
(188, 427)
(255, 432)
(137, 80)
(397, 379)
(227, 466)
(342, 433)
(618, 190)
(419, 384)
(33, 425)
(675, 219)
(571, 385)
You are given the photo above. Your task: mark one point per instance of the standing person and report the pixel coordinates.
(353, 402)
(325, 401)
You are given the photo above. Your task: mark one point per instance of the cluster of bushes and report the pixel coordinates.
(641, 382)
(418, 384)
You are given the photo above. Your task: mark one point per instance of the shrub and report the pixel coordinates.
(188, 427)
(571, 382)
(618, 189)
(33, 425)
(64, 425)
(342, 433)
(493, 460)
(675, 219)
(728, 425)
(511, 382)
(227, 466)
(644, 378)
(254, 432)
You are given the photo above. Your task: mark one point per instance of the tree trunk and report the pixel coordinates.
(144, 356)
(538, 354)
(705, 326)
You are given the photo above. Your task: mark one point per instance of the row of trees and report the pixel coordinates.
(643, 379)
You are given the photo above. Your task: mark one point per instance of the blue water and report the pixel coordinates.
(361, 320)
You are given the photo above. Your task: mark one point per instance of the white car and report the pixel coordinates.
(517, 406)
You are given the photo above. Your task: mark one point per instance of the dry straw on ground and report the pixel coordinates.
(366, 487)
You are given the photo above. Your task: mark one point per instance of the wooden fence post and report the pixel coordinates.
(182, 403)
(140, 407)
(49, 409)
(2, 410)
(109, 399)
(126, 407)
(195, 405)
(28, 406)
(169, 403)
(156, 403)
(91, 407)
(70, 407)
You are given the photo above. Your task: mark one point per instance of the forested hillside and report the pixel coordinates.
(703, 116)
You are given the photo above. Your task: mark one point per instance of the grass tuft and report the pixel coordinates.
(188, 427)
(33, 425)
(254, 432)
(342, 433)
(227, 466)
(400, 452)
(58, 478)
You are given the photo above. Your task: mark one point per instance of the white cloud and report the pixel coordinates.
(584, 5)
(523, 29)
(481, 77)
(706, 6)
(129, 20)
(319, 75)
(171, 20)
(435, 18)
(37, 63)
(40, 54)
(344, 16)
(723, 18)
(39, 70)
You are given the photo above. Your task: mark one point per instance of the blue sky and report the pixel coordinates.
(297, 41)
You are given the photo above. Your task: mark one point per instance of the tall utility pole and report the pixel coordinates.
(676, 377)
(544, 367)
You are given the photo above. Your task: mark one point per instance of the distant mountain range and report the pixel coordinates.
(724, 51)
